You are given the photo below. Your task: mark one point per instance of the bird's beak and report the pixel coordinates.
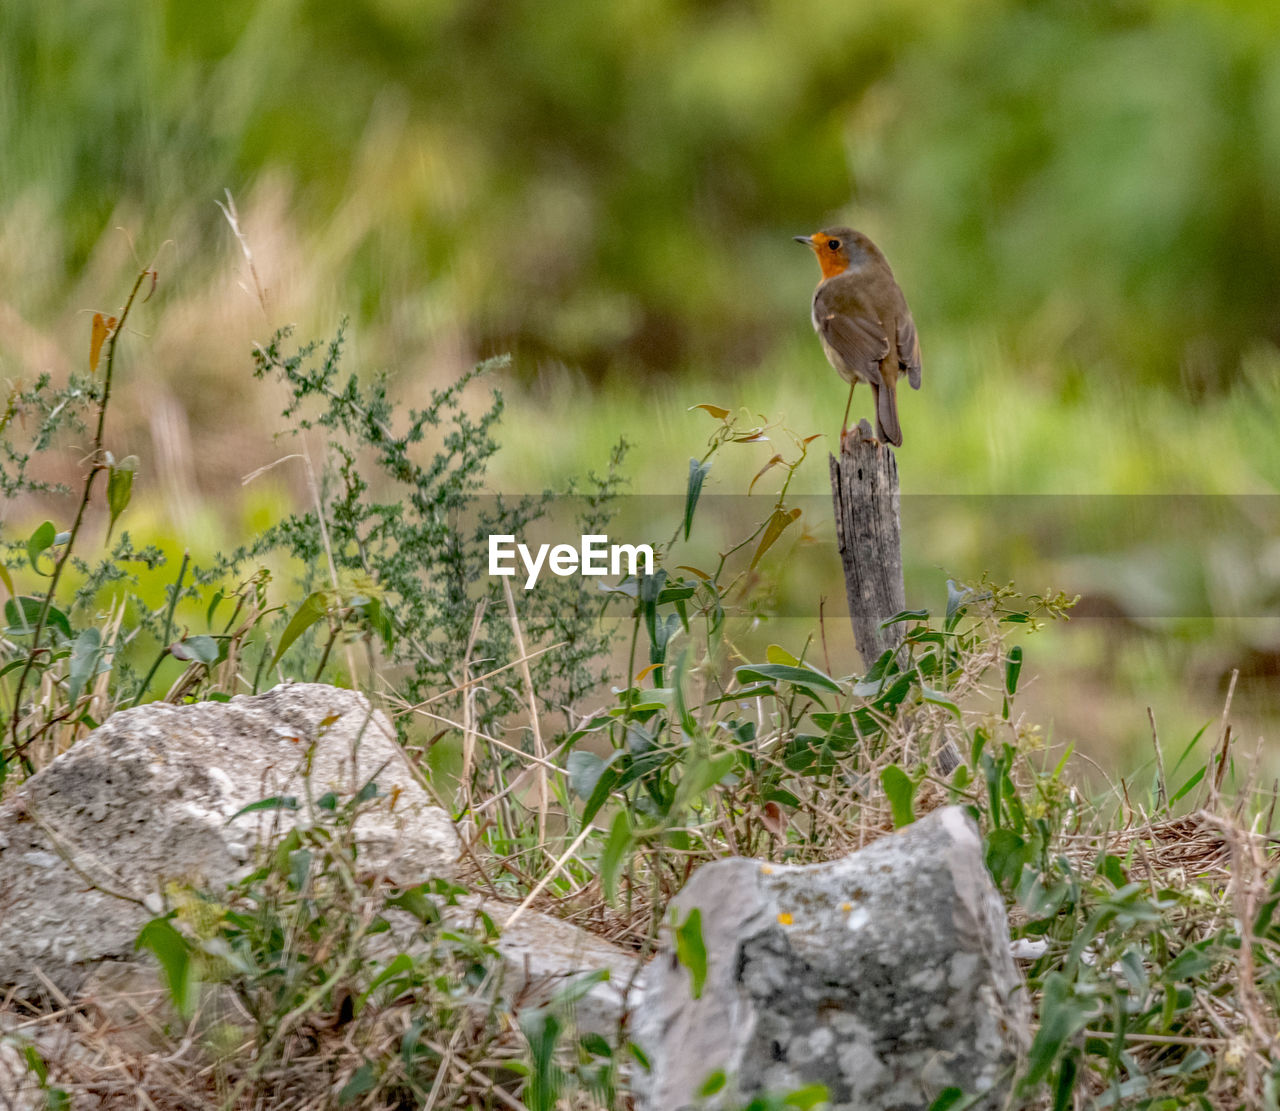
(805, 239)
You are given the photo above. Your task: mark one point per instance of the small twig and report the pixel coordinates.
(468, 704)
(448, 1055)
(63, 851)
(490, 1084)
(540, 761)
(521, 779)
(468, 683)
(1157, 1039)
(554, 871)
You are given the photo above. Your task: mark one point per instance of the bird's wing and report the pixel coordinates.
(909, 349)
(858, 340)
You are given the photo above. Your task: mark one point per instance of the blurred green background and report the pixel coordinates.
(1079, 199)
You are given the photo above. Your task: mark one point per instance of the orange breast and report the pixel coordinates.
(832, 263)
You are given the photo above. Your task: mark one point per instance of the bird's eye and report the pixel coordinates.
(833, 244)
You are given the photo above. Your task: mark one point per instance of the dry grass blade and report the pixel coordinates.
(539, 749)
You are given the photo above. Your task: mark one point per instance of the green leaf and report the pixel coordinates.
(609, 778)
(362, 1081)
(701, 774)
(1193, 961)
(1062, 1016)
(577, 987)
(1065, 1086)
(584, 769)
(713, 1083)
(897, 692)
(201, 648)
(416, 901)
(275, 802)
(939, 698)
(36, 1064)
(214, 603)
(400, 965)
(84, 662)
(41, 540)
(900, 790)
(1011, 669)
(614, 854)
(810, 1096)
(596, 1045)
(691, 951)
(779, 521)
(313, 608)
(120, 488)
(1188, 786)
(299, 868)
(542, 1030)
(21, 614)
(173, 953)
(7, 579)
(1266, 911)
(1007, 854)
(905, 615)
(808, 678)
(697, 475)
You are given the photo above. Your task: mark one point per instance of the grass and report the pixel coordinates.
(1148, 916)
(1152, 892)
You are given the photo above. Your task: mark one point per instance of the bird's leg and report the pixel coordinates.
(844, 424)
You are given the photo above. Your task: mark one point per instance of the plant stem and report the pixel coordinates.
(168, 629)
(96, 466)
(324, 658)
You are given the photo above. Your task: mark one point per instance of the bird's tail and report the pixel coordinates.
(887, 427)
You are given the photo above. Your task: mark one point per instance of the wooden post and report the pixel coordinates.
(864, 488)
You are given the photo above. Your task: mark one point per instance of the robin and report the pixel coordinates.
(864, 324)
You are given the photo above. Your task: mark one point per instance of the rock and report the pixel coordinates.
(541, 955)
(885, 976)
(149, 798)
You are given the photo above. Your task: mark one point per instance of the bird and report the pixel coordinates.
(862, 319)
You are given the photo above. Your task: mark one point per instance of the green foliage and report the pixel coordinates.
(703, 751)
(691, 950)
(407, 539)
(305, 943)
(395, 561)
(618, 190)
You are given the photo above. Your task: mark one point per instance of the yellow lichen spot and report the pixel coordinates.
(766, 869)
(785, 918)
(846, 907)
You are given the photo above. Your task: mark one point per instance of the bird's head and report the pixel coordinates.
(837, 248)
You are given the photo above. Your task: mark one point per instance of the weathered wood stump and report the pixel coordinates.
(864, 488)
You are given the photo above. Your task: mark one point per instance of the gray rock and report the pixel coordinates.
(543, 955)
(148, 799)
(885, 976)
